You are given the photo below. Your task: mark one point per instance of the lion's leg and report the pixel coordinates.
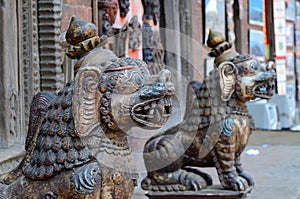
(242, 173)
(224, 158)
(164, 161)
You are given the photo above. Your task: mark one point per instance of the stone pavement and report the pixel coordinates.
(276, 169)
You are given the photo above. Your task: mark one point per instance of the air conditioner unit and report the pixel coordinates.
(265, 115)
(287, 109)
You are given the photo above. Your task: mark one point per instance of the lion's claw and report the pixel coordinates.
(179, 180)
(236, 183)
(246, 176)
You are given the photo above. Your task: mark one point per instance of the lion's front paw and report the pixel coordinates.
(195, 182)
(179, 180)
(247, 176)
(236, 183)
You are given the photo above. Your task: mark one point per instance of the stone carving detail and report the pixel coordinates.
(151, 10)
(106, 26)
(120, 38)
(216, 126)
(134, 33)
(86, 179)
(108, 12)
(76, 144)
(185, 8)
(13, 111)
(50, 52)
(153, 53)
(124, 7)
(147, 43)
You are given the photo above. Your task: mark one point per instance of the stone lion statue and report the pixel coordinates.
(216, 126)
(76, 145)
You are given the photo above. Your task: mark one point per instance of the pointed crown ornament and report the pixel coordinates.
(83, 37)
(221, 49)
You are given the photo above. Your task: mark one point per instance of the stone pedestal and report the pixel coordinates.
(212, 192)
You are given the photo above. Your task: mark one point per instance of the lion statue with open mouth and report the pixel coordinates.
(216, 126)
(76, 145)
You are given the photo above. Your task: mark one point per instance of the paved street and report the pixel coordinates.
(276, 169)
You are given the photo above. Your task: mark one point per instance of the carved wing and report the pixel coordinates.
(227, 73)
(38, 108)
(86, 101)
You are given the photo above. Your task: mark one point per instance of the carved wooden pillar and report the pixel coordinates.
(29, 67)
(19, 68)
(122, 20)
(186, 29)
(171, 41)
(9, 91)
(153, 53)
(108, 11)
(49, 15)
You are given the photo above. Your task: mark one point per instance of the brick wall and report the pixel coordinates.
(80, 8)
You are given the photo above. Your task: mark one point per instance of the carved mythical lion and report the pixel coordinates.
(216, 126)
(76, 145)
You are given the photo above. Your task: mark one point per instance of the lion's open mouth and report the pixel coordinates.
(152, 113)
(264, 89)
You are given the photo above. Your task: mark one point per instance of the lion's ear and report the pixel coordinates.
(227, 73)
(86, 100)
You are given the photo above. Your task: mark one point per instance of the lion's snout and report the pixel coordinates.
(157, 90)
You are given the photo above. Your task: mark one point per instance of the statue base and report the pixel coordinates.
(212, 192)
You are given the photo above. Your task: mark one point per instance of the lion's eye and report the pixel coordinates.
(253, 65)
(129, 82)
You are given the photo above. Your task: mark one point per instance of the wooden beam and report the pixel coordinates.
(95, 13)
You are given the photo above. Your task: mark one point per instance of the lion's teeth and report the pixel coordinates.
(161, 108)
(166, 102)
(153, 104)
(147, 107)
(144, 116)
(160, 101)
(157, 116)
(139, 108)
(151, 112)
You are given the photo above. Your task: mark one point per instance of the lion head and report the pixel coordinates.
(234, 80)
(119, 93)
(93, 112)
(243, 75)
(249, 79)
